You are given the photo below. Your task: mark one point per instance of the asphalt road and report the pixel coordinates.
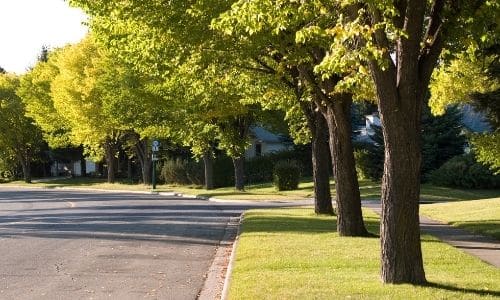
(61, 244)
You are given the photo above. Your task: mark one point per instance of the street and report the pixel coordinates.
(63, 244)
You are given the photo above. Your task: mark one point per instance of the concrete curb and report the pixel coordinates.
(215, 286)
(230, 264)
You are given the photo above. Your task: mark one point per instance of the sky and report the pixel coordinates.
(27, 25)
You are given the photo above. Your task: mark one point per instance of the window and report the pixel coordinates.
(258, 149)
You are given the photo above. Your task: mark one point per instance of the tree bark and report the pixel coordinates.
(336, 109)
(239, 173)
(400, 87)
(320, 159)
(129, 168)
(25, 162)
(349, 213)
(400, 110)
(110, 160)
(83, 163)
(209, 170)
(144, 156)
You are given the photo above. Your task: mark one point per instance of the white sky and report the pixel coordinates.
(27, 25)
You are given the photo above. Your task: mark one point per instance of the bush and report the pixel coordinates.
(286, 175)
(223, 171)
(195, 172)
(464, 171)
(174, 171)
(369, 163)
(259, 169)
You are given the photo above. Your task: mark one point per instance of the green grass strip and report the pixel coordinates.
(478, 216)
(293, 254)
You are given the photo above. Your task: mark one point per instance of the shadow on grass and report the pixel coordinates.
(490, 228)
(303, 224)
(451, 288)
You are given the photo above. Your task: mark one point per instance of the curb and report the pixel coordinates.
(217, 277)
(230, 264)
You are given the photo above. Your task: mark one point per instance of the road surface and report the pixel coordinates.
(63, 244)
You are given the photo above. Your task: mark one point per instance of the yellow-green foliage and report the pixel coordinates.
(453, 83)
(487, 149)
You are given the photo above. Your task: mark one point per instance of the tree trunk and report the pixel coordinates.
(239, 173)
(144, 156)
(110, 161)
(129, 168)
(320, 160)
(209, 170)
(400, 228)
(83, 163)
(349, 214)
(26, 167)
(336, 109)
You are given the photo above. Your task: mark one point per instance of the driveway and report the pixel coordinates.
(70, 244)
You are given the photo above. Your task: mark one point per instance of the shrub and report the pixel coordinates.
(195, 172)
(223, 171)
(464, 171)
(369, 163)
(286, 175)
(259, 169)
(174, 171)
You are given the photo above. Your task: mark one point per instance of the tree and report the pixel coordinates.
(275, 39)
(18, 136)
(2, 70)
(442, 139)
(80, 94)
(401, 42)
(475, 81)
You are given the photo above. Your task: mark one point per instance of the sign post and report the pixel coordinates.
(154, 149)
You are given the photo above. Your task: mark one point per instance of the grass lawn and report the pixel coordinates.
(478, 216)
(266, 191)
(293, 254)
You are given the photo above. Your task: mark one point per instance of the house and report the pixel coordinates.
(473, 121)
(73, 168)
(363, 134)
(264, 142)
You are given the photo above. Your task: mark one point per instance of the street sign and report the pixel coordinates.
(156, 146)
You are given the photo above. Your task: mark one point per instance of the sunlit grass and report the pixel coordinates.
(293, 254)
(478, 216)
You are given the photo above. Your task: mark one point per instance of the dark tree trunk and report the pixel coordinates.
(25, 162)
(400, 231)
(336, 109)
(321, 167)
(129, 168)
(83, 163)
(145, 159)
(320, 159)
(110, 160)
(400, 111)
(239, 173)
(349, 213)
(209, 170)
(401, 86)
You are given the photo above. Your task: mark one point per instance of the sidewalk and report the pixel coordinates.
(485, 248)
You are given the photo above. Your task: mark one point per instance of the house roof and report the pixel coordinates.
(475, 121)
(264, 135)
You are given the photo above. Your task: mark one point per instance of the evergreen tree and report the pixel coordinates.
(441, 140)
